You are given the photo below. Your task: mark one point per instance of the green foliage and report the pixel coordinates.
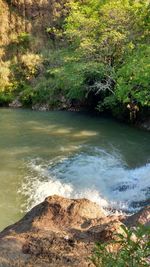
(30, 64)
(5, 97)
(68, 73)
(75, 77)
(134, 77)
(55, 34)
(19, 43)
(45, 92)
(26, 93)
(96, 47)
(108, 29)
(115, 33)
(129, 249)
(24, 39)
(4, 75)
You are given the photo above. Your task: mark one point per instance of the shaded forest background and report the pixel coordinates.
(75, 53)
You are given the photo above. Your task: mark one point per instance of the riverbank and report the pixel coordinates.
(49, 61)
(61, 232)
(143, 123)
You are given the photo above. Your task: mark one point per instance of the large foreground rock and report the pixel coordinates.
(58, 232)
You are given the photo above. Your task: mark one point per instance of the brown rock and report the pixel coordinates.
(60, 232)
(57, 232)
(142, 217)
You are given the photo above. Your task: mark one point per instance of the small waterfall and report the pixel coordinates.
(97, 175)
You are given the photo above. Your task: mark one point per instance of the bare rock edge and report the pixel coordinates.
(61, 232)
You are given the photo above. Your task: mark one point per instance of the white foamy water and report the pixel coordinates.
(97, 175)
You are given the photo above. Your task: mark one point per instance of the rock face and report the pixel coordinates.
(34, 17)
(58, 232)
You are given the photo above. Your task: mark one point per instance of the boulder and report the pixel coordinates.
(15, 104)
(142, 217)
(61, 232)
(57, 232)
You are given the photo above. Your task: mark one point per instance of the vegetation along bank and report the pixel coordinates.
(74, 54)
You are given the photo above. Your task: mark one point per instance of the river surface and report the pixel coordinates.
(70, 154)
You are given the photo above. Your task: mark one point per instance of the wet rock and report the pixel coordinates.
(142, 217)
(145, 125)
(15, 104)
(41, 107)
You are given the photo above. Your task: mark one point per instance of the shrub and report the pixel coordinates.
(30, 64)
(26, 94)
(133, 249)
(134, 77)
(46, 92)
(24, 38)
(5, 97)
(75, 77)
(4, 75)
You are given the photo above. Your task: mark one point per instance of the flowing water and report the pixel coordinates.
(73, 155)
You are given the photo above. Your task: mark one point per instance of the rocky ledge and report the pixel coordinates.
(61, 232)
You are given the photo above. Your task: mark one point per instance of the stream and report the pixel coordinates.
(74, 155)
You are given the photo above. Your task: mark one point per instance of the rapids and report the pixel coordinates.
(74, 155)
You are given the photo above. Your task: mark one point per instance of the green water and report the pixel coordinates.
(26, 136)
